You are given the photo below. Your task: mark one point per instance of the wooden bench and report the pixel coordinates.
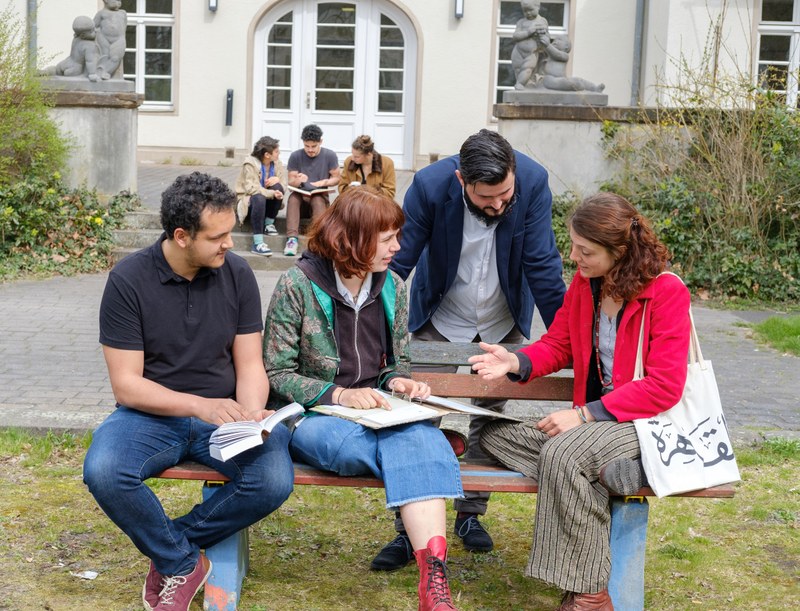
(629, 515)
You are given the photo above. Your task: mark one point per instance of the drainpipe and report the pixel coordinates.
(32, 34)
(638, 51)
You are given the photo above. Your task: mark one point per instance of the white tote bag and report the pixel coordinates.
(687, 447)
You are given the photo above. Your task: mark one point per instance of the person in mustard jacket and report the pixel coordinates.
(580, 455)
(366, 166)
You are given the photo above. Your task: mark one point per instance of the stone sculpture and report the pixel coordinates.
(555, 69)
(538, 60)
(531, 38)
(111, 22)
(84, 54)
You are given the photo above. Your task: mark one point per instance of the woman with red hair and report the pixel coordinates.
(578, 455)
(336, 329)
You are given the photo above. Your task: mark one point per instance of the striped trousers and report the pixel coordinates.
(572, 527)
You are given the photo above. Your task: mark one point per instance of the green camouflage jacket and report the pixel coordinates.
(300, 353)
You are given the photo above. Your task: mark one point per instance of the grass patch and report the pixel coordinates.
(782, 333)
(313, 553)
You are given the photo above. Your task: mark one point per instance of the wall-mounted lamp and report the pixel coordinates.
(212, 5)
(459, 9)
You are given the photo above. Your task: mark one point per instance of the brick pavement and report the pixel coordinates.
(52, 373)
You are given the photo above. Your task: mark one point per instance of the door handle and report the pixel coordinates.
(308, 100)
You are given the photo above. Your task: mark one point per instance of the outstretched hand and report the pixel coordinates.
(495, 362)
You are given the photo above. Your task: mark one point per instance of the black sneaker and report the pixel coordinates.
(473, 534)
(394, 555)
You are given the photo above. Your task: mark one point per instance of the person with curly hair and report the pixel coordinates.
(582, 455)
(337, 329)
(180, 325)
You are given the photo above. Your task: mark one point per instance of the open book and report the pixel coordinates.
(404, 411)
(314, 191)
(233, 438)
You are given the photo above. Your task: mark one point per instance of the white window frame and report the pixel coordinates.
(503, 31)
(141, 21)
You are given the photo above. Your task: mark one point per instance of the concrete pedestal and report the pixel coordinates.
(100, 120)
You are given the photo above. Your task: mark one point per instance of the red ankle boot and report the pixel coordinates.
(434, 591)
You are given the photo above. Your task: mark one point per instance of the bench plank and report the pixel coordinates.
(549, 388)
(475, 476)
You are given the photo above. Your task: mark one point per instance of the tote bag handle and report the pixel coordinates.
(695, 354)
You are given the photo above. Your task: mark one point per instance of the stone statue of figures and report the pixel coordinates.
(111, 22)
(83, 55)
(555, 69)
(531, 40)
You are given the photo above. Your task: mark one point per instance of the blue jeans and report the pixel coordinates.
(415, 461)
(131, 446)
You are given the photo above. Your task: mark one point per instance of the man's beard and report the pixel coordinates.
(481, 215)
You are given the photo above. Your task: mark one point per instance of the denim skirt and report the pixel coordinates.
(415, 461)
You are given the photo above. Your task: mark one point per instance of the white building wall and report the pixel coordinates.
(455, 87)
(679, 32)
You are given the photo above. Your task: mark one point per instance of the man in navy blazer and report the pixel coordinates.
(479, 232)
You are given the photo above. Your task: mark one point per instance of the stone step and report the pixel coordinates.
(277, 262)
(151, 219)
(140, 238)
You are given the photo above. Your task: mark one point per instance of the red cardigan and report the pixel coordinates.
(665, 350)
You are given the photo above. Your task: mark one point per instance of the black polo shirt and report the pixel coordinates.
(185, 329)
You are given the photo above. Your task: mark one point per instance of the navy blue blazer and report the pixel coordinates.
(528, 262)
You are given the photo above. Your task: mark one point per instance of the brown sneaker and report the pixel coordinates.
(152, 588)
(179, 590)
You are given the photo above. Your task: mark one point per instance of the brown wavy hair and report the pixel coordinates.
(611, 221)
(347, 232)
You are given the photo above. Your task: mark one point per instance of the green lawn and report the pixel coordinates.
(313, 553)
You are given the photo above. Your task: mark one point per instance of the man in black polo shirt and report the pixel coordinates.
(180, 325)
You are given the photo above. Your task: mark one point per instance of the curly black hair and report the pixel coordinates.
(184, 200)
(311, 132)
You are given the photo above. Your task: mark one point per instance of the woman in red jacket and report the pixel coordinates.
(577, 455)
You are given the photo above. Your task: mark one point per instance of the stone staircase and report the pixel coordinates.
(143, 227)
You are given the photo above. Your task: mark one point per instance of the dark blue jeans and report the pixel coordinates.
(131, 446)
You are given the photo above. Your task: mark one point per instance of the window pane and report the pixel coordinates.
(163, 7)
(390, 80)
(130, 37)
(334, 79)
(391, 58)
(336, 12)
(279, 77)
(281, 56)
(390, 102)
(505, 76)
(129, 64)
(554, 13)
(391, 37)
(336, 57)
(773, 77)
(335, 35)
(510, 13)
(506, 47)
(774, 48)
(129, 6)
(158, 63)
(158, 37)
(278, 99)
(158, 90)
(281, 32)
(334, 100)
(776, 10)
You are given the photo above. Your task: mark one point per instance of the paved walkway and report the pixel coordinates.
(52, 374)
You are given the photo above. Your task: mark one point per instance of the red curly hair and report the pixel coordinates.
(347, 232)
(611, 221)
